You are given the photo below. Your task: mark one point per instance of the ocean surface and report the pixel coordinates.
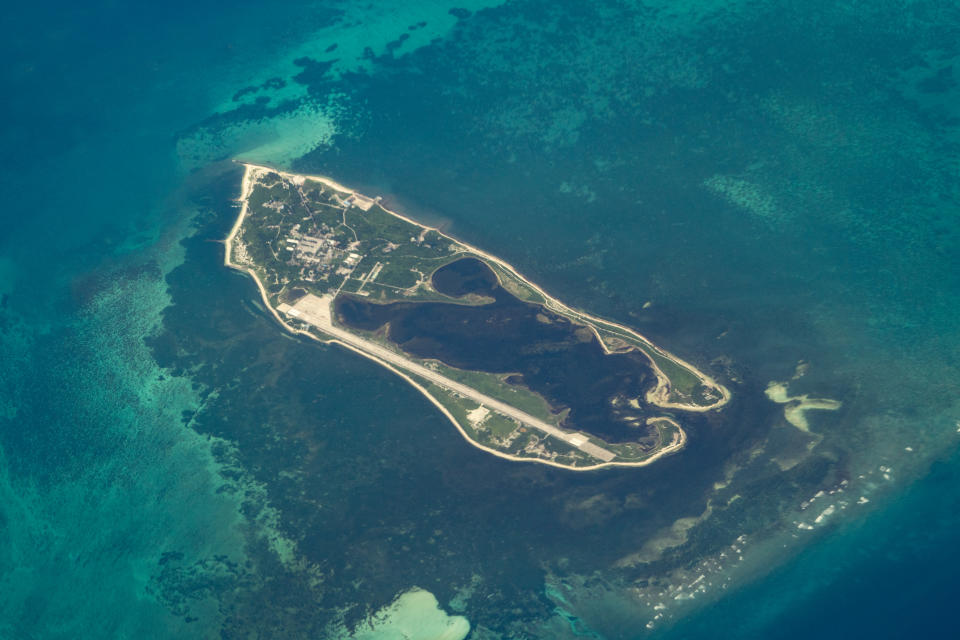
(767, 188)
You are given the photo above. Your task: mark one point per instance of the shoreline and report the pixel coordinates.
(246, 187)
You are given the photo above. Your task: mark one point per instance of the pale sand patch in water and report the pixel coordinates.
(415, 615)
(278, 140)
(667, 538)
(797, 406)
(747, 195)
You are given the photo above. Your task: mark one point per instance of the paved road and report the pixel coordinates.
(316, 311)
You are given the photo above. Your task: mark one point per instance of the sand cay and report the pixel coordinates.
(797, 406)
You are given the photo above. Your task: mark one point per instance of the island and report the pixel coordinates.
(520, 374)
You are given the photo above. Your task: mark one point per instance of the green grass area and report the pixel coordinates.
(381, 293)
(682, 380)
(321, 193)
(513, 284)
(460, 407)
(685, 384)
(647, 446)
(499, 426)
(396, 244)
(518, 444)
(267, 191)
(377, 223)
(631, 451)
(491, 384)
(324, 210)
(351, 285)
(397, 274)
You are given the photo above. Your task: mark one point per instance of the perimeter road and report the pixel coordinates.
(316, 311)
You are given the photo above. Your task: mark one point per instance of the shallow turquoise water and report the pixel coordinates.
(777, 180)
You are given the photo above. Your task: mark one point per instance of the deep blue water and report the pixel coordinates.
(777, 179)
(890, 575)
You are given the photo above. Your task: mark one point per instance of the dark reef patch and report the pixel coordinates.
(562, 361)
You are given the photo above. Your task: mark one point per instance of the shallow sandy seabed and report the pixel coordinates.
(415, 615)
(797, 406)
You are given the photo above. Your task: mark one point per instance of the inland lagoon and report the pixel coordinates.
(541, 350)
